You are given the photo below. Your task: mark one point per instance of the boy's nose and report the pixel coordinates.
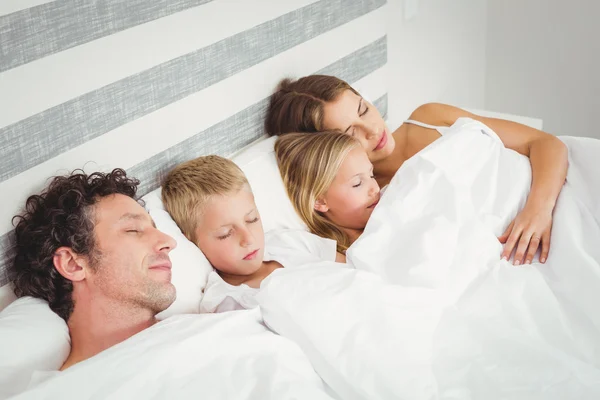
(247, 239)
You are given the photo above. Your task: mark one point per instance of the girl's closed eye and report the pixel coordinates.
(253, 221)
(132, 231)
(358, 184)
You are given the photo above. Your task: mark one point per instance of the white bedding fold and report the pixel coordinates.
(431, 312)
(218, 356)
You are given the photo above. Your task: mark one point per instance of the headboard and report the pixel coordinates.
(146, 84)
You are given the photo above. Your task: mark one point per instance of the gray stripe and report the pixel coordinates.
(247, 126)
(381, 104)
(46, 29)
(229, 135)
(222, 139)
(6, 256)
(359, 64)
(40, 137)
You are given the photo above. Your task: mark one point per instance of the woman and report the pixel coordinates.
(330, 181)
(319, 102)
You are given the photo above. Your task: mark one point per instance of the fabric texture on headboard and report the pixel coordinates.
(144, 85)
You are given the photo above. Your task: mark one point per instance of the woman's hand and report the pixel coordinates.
(530, 229)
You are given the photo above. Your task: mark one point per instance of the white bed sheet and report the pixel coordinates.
(224, 356)
(431, 312)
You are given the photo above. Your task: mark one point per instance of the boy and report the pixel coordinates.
(211, 201)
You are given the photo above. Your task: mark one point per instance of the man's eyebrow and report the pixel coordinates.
(134, 216)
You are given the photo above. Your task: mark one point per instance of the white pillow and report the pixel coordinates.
(260, 166)
(190, 266)
(33, 338)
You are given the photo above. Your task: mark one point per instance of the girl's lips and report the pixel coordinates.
(251, 255)
(374, 204)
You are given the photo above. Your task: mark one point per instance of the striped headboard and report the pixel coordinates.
(146, 84)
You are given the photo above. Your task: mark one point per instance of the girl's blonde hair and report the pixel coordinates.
(308, 163)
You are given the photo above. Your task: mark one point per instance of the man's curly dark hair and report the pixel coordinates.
(62, 215)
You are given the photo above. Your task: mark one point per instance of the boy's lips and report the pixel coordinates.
(252, 255)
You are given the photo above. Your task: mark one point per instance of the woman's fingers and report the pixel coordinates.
(523, 237)
(504, 237)
(522, 248)
(534, 244)
(545, 246)
(510, 243)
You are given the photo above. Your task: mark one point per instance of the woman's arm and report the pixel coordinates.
(548, 158)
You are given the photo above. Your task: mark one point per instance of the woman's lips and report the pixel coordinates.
(382, 141)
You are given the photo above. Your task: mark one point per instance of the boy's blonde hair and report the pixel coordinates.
(191, 184)
(308, 163)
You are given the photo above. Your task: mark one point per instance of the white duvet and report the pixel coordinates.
(431, 312)
(219, 356)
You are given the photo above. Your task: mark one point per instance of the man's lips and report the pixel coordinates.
(251, 255)
(164, 266)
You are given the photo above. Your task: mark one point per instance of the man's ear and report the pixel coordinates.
(321, 205)
(69, 264)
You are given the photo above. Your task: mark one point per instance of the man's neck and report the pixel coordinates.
(96, 325)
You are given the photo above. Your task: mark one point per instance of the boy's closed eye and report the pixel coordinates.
(225, 236)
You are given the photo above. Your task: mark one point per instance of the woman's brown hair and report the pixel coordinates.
(297, 105)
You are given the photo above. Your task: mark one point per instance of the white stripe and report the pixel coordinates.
(49, 81)
(11, 6)
(134, 142)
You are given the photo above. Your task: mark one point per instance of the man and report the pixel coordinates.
(89, 249)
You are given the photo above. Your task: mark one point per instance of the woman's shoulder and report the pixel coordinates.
(438, 114)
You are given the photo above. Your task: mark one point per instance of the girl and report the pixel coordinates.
(330, 182)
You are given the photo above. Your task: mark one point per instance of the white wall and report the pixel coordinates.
(543, 60)
(437, 56)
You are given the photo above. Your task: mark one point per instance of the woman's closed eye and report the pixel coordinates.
(252, 221)
(364, 112)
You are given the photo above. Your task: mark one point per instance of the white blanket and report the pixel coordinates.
(220, 356)
(431, 312)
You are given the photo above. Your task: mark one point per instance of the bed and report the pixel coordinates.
(144, 87)
(141, 95)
